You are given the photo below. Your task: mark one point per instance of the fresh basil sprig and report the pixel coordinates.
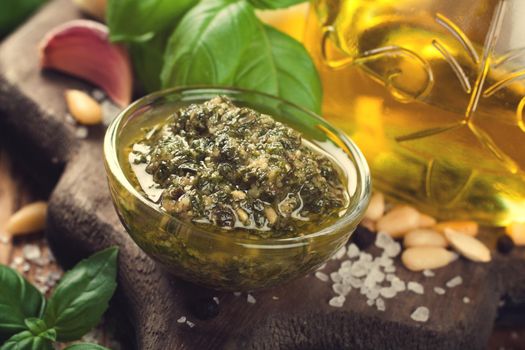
(19, 300)
(218, 43)
(223, 43)
(75, 307)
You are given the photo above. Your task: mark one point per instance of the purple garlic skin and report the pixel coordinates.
(82, 49)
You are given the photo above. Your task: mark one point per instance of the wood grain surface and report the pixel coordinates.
(82, 220)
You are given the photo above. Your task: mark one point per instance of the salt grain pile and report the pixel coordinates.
(373, 277)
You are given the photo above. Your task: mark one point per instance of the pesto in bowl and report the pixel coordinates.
(233, 189)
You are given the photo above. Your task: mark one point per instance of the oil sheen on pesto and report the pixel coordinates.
(237, 171)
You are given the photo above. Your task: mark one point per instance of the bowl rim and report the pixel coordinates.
(350, 217)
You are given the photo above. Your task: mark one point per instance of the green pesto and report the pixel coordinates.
(233, 169)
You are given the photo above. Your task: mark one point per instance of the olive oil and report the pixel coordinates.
(433, 93)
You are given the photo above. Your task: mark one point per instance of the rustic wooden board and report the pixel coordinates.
(82, 220)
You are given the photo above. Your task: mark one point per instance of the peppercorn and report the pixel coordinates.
(505, 244)
(205, 308)
(363, 237)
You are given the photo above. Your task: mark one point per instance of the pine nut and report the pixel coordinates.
(398, 221)
(468, 246)
(85, 109)
(426, 221)
(466, 227)
(424, 237)
(30, 218)
(516, 231)
(376, 208)
(422, 258)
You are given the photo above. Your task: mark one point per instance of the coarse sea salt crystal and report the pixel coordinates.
(415, 287)
(341, 289)
(182, 319)
(383, 240)
(380, 304)
(321, 276)
(26, 267)
(18, 260)
(388, 292)
(81, 132)
(454, 282)
(339, 254)
(346, 263)
(466, 300)
(359, 268)
(428, 273)
(370, 302)
(392, 250)
(337, 301)
(190, 324)
(369, 281)
(390, 269)
(336, 277)
(31, 252)
(372, 294)
(385, 261)
(353, 281)
(353, 251)
(98, 95)
(377, 275)
(421, 314)
(439, 290)
(250, 299)
(398, 285)
(365, 257)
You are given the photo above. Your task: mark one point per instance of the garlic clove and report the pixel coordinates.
(82, 48)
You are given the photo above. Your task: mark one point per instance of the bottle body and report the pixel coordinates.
(433, 93)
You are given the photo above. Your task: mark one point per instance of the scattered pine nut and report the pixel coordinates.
(398, 221)
(466, 227)
(422, 258)
(426, 221)
(30, 218)
(468, 246)
(84, 108)
(376, 208)
(516, 231)
(424, 237)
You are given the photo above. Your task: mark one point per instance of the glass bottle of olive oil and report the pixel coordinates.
(433, 91)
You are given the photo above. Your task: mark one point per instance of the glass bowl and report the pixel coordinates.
(216, 260)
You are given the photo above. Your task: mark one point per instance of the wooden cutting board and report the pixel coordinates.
(82, 220)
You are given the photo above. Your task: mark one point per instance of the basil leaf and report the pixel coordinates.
(148, 58)
(26, 340)
(298, 79)
(85, 346)
(82, 296)
(274, 4)
(18, 300)
(132, 20)
(39, 328)
(223, 43)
